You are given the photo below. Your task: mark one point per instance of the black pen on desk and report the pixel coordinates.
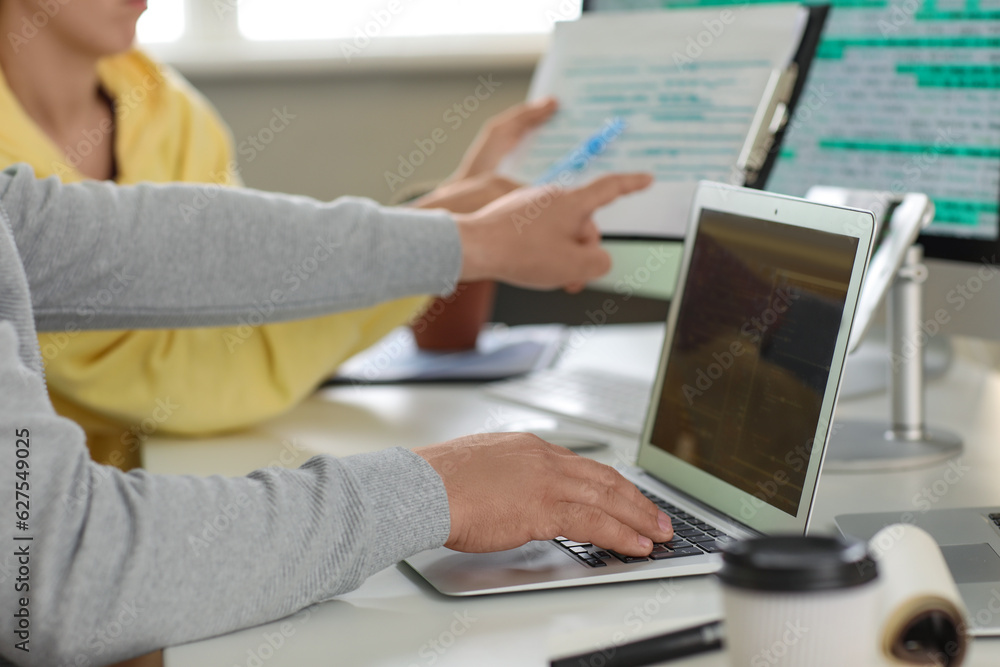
(661, 648)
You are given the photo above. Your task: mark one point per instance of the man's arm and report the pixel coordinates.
(121, 564)
(99, 256)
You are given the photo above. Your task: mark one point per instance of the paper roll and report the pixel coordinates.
(924, 617)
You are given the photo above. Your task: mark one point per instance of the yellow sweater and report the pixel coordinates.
(122, 386)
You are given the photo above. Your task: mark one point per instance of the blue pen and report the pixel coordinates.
(578, 158)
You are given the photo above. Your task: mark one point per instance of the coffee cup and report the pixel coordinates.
(800, 601)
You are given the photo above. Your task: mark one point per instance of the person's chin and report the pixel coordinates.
(121, 42)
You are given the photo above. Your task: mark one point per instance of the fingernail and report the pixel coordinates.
(645, 542)
(665, 523)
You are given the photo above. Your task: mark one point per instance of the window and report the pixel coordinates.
(162, 22)
(323, 19)
(223, 36)
(293, 20)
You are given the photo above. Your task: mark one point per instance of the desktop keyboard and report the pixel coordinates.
(605, 399)
(692, 537)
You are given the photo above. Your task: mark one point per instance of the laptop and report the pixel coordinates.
(740, 410)
(970, 543)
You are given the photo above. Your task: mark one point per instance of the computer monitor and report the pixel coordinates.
(904, 96)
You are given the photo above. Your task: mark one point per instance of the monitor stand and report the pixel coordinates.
(868, 367)
(905, 442)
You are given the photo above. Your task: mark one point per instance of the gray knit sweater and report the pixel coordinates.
(113, 565)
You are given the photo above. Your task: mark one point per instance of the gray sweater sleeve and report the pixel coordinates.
(119, 564)
(152, 256)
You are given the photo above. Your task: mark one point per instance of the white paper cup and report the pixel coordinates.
(800, 602)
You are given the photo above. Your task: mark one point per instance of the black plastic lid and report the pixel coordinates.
(797, 563)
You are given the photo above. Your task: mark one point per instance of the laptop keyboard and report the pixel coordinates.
(692, 537)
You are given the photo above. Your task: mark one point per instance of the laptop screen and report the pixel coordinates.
(749, 363)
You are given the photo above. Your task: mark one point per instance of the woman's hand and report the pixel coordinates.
(475, 183)
(469, 194)
(500, 135)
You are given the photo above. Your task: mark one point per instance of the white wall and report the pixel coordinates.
(350, 128)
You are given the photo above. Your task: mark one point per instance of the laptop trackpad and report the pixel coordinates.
(972, 563)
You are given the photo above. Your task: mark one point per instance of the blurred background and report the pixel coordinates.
(357, 106)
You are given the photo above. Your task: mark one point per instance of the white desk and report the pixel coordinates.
(396, 619)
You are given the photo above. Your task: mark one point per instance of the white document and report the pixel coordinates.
(674, 94)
